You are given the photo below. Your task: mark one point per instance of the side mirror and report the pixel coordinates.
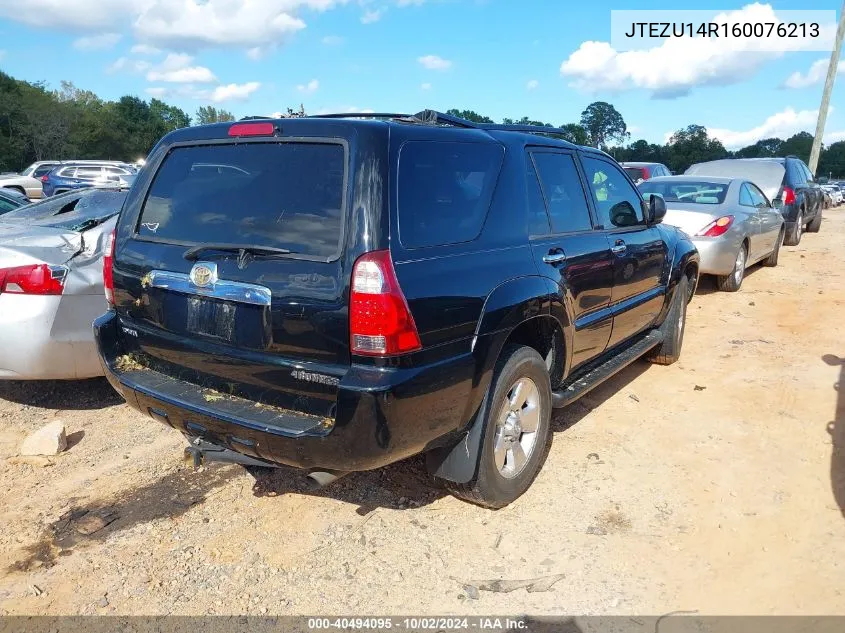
(777, 203)
(656, 209)
(622, 214)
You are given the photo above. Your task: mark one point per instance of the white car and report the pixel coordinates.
(27, 185)
(835, 193)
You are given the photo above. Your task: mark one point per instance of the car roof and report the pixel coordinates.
(719, 180)
(426, 122)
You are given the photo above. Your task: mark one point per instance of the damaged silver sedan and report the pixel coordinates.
(51, 284)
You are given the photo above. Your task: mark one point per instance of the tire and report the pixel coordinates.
(496, 485)
(733, 281)
(816, 224)
(772, 260)
(673, 327)
(794, 237)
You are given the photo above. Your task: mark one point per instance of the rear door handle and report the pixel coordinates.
(556, 256)
(618, 248)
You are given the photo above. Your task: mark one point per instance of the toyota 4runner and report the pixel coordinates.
(338, 293)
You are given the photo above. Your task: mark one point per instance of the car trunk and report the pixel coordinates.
(205, 292)
(690, 218)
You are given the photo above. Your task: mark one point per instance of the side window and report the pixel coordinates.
(67, 172)
(617, 202)
(564, 194)
(538, 219)
(806, 170)
(6, 206)
(88, 172)
(745, 196)
(757, 196)
(445, 190)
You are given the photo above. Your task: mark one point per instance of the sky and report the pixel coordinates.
(544, 59)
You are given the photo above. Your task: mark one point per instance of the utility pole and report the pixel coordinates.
(828, 88)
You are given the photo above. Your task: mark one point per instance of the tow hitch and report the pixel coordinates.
(199, 451)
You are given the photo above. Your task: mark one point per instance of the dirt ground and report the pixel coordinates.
(714, 485)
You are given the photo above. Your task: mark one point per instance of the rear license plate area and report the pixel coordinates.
(209, 317)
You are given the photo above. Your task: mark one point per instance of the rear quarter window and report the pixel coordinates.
(445, 189)
(283, 195)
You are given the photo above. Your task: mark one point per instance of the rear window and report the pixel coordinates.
(282, 195)
(635, 173)
(43, 169)
(445, 191)
(701, 192)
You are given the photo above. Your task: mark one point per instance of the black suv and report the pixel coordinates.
(338, 293)
(800, 200)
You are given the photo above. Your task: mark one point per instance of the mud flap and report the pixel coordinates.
(459, 462)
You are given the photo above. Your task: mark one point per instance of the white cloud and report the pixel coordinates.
(97, 42)
(144, 49)
(834, 137)
(434, 62)
(310, 88)
(234, 92)
(425, 86)
(192, 24)
(815, 75)
(532, 84)
(372, 15)
(80, 15)
(256, 52)
(176, 68)
(781, 124)
(332, 40)
(157, 91)
(129, 65)
(675, 67)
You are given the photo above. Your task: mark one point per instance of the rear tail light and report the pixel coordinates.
(788, 195)
(717, 228)
(45, 178)
(35, 279)
(380, 323)
(252, 129)
(108, 264)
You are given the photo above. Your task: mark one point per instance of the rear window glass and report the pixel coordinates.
(44, 169)
(445, 191)
(701, 192)
(282, 195)
(635, 173)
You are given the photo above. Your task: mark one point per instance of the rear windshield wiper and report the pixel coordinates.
(241, 249)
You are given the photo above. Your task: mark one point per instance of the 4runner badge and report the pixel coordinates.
(203, 274)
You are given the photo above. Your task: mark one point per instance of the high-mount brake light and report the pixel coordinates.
(263, 128)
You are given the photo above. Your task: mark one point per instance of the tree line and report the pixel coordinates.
(37, 123)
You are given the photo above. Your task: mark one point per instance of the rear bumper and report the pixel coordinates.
(718, 255)
(35, 345)
(383, 415)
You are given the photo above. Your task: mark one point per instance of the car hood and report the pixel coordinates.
(766, 174)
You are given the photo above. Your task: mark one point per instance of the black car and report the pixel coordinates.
(346, 291)
(802, 199)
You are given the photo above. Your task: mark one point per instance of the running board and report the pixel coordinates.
(600, 373)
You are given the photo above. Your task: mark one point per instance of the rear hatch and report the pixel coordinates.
(766, 174)
(233, 276)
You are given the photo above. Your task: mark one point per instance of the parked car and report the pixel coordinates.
(643, 171)
(797, 195)
(28, 186)
(732, 223)
(834, 192)
(350, 292)
(51, 284)
(80, 176)
(41, 167)
(11, 200)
